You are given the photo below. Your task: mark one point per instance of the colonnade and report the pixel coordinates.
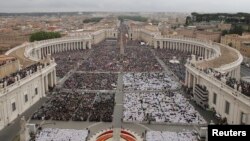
(185, 47)
(56, 47)
(192, 78)
(49, 80)
(220, 94)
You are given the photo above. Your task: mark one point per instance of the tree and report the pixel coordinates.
(134, 18)
(188, 20)
(95, 20)
(236, 30)
(224, 32)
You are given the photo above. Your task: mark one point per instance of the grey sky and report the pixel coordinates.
(125, 5)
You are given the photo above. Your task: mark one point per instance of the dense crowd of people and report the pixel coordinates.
(92, 81)
(177, 67)
(140, 59)
(103, 108)
(242, 86)
(133, 43)
(68, 60)
(169, 107)
(149, 81)
(171, 136)
(105, 57)
(65, 106)
(55, 134)
(12, 78)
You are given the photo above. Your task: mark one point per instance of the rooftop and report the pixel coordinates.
(227, 56)
(6, 58)
(19, 54)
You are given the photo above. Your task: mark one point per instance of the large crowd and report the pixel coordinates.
(178, 67)
(92, 81)
(12, 78)
(105, 57)
(67, 61)
(242, 86)
(50, 134)
(171, 136)
(169, 107)
(65, 106)
(140, 59)
(149, 81)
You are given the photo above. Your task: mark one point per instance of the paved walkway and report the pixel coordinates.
(118, 109)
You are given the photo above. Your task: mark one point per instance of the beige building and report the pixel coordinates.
(206, 35)
(145, 33)
(223, 26)
(203, 35)
(10, 40)
(185, 32)
(238, 42)
(245, 49)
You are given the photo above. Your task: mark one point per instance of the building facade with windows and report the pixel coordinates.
(241, 43)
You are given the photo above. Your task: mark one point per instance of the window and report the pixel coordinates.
(227, 107)
(13, 106)
(25, 98)
(215, 98)
(36, 91)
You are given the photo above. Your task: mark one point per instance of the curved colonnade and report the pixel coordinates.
(17, 97)
(228, 102)
(39, 50)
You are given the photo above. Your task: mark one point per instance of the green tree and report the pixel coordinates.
(224, 32)
(188, 20)
(42, 35)
(134, 18)
(95, 20)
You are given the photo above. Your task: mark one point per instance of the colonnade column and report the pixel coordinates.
(205, 57)
(89, 45)
(43, 87)
(186, 78)
(161, 44)
(46, 83)
(54, 76)
(189, 79)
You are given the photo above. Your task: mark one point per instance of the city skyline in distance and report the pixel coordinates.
(227, 6)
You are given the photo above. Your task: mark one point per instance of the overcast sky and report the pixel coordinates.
(125, 5)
